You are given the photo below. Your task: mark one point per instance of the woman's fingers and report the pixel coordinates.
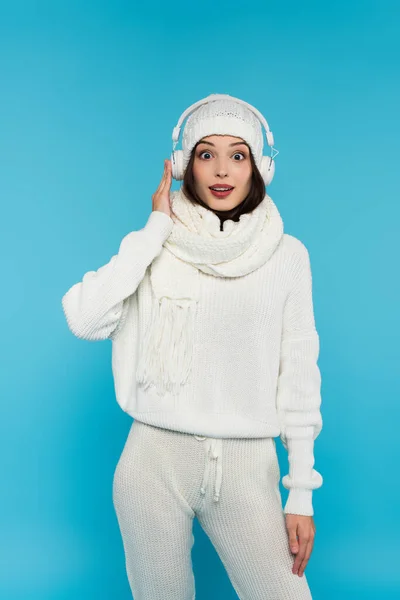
(163, 178)
(167, 175)
(306, 557)
(161, 197)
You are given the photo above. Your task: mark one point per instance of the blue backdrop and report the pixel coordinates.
(90, 92)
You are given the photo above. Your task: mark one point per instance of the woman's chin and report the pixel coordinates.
(227, 203)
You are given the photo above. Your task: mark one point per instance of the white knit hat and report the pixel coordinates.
(224, 117)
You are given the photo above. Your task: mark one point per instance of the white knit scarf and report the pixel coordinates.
(197, 244)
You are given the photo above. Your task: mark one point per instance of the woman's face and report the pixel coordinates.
(222, 159)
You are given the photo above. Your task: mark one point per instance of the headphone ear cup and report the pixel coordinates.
(177, 164)
(267, 169)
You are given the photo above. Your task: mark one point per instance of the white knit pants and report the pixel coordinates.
(165, 478)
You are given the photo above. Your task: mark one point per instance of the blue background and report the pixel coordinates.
(90, 92)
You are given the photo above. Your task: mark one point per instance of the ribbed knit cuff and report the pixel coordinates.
(159, 224)
(299, 502)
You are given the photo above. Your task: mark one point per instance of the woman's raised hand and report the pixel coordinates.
(161, 198)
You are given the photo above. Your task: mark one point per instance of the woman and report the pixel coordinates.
(209, 309)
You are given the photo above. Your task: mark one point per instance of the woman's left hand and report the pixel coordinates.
(301, 530)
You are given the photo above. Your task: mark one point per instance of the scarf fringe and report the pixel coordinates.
(166, 359)
(196, 245)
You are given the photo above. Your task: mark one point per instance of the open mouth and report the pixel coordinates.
(221, 192)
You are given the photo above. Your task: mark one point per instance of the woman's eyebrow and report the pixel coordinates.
(233, 144)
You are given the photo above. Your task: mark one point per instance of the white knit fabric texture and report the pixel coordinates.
(159, 487)
(223, 117)
(197, 244)
(254, 371)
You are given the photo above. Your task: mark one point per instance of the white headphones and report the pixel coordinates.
(267, 168)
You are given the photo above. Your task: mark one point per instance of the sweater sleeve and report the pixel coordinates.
(94, 306)
(298, 391)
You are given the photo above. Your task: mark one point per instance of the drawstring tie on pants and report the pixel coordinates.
(213, 447)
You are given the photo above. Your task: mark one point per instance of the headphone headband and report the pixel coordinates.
(210, 98)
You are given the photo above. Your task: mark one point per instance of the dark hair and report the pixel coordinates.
(253, 198)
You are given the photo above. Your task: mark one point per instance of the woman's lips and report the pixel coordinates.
(221, 194)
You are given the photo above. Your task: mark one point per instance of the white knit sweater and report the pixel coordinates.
(254, 372)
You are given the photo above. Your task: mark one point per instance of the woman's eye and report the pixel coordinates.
(236, 154)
